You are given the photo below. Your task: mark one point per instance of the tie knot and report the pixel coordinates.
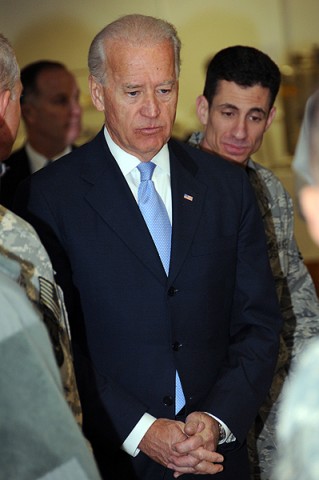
(146, 170)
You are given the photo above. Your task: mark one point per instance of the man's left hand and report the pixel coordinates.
(199, 449)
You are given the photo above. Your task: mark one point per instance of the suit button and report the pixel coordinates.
(168, 400)
(172, 291)
(176, 346)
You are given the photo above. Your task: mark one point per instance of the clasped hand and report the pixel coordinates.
(188, 447)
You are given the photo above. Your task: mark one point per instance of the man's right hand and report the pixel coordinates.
(159, 440)
(159, 443)
(200, 456)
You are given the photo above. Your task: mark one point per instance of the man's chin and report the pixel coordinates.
(150, 147)
(72, 136)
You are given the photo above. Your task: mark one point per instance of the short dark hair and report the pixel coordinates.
(246, 66)
(30, 73)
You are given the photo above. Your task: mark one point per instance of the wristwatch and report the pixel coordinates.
(222, 433)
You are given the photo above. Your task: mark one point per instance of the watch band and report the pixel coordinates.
(222, 434)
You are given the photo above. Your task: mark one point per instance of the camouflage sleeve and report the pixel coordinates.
(20, 243)
(300, 310)
(302, 323)
(55, 318)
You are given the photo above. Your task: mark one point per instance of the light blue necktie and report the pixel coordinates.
(156, 217)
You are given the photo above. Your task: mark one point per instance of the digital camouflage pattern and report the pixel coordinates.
(298, 302)
(19, 242)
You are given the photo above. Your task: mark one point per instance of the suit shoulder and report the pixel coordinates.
(205, 162)
(85, 152)
(16, 157)
(81, 161)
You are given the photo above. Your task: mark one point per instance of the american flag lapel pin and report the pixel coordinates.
(188, 197)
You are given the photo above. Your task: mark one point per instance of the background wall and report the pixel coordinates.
(63, 30)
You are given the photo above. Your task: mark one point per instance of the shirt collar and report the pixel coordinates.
(38, 160)
(35, 157)
(128, 162)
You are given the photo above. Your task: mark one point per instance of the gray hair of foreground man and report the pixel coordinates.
(135, 30)
(9, 69)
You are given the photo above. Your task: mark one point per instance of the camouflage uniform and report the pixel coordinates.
(298, 301)
(38, 434)
(19, 242)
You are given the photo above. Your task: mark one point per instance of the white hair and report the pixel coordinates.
(137, 30)
(9, 69)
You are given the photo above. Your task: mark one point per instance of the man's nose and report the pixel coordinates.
(240, 128)
(151, 106)
(75, 107)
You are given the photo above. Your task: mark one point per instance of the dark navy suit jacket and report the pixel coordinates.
(215, 318)
(17, 169)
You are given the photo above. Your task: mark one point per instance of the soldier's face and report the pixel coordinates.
(236, 120)
(309, 200)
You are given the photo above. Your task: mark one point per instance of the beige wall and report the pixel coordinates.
(63, 30)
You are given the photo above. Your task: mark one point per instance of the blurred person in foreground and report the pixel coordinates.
(38, 433)
(298, 425)
(306, 170)
(52, 118)
(236, 109)
(174, 353)
(305, 163)
(298, 420)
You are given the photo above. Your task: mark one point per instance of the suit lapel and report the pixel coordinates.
(110, 196)
(188, 196)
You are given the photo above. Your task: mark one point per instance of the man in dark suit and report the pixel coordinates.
(209, 321)
(52, 117)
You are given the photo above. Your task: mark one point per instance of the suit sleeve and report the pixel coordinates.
(255, 325)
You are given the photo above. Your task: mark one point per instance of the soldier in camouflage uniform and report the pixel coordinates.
(19, 242)
(235, 110)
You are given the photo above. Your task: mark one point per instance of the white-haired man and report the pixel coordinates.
(182, 350)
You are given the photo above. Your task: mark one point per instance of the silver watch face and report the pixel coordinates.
(222, 433)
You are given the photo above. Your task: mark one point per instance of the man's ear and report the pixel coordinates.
(202, 109)
(27, 111)
(270, 118)
(97, 94)
(4, 101)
